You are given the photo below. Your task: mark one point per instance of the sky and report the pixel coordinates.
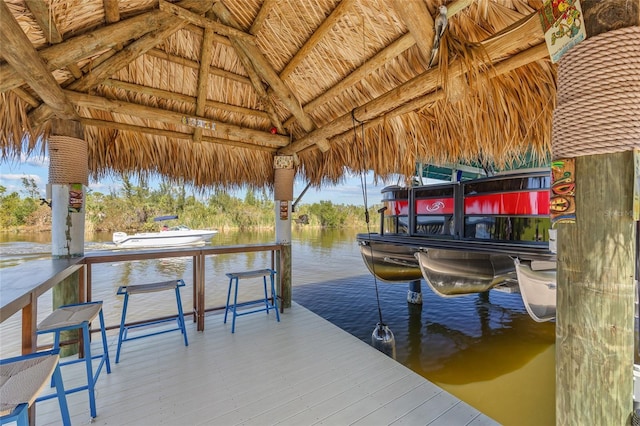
(37, 167)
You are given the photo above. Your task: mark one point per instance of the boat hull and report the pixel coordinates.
(390, 263)
(162, 239)
(452, 273)
(538, 290)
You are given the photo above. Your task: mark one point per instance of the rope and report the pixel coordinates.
(68, 160)
(598, 98)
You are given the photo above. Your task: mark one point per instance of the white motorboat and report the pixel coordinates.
(174, 236)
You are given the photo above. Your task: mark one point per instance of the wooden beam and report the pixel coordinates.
(174, 135)
(206, 54)
(326, 26)
(525, 32)
(44, 19)
(179, 97)
(157, 53)
(171, 117)
(394, 49)
(205, 23)
(167, 26)
(18, 51)
(528, 56)
(26, 96)
(391, 51)
(256, 82)
(266, 7)
(216, 37)
(112, 14)
(42, 13)
(265, 70)
(85, 46)
(420, 23)
(111, 10)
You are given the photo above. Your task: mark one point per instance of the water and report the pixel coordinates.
(485, 350)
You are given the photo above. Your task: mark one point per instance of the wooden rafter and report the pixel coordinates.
(391, 51)
(166, 28)
(394, 49)
(266, 71)
(209, 27)
(256, 82)
(179, 97)
(420, 23)
(524, 33)
(172, 117)
(206, 53)
(172, 134)
(157, 53)
(111, 10)
(266, 7)
(528, 56)
(19, 53)
(203, 22)
(42, 13)
(317, 37)
(85, 46)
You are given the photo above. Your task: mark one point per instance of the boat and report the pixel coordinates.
(469, 237)
(179, 235)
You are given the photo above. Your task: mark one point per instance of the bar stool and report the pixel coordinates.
(21, 380)
(150, 288)
(79, 316)
(234, 278)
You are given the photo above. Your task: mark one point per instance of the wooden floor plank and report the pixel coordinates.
(301, 371)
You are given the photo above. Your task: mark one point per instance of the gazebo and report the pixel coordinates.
(228, 93)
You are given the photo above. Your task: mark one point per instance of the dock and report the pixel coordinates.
(300, 371)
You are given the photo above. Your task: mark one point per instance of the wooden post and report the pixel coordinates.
(283, 195)
(595, 299)
(68, 177)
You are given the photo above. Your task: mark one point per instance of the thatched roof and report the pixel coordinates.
(342, 84)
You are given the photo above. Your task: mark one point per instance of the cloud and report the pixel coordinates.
(37, 160)
(19, 176)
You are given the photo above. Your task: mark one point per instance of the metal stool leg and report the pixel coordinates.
(62, 398)
(105, 347)
(266, 297)
(122, 329)
(181, 317)
(228, 296)
(90, 377)
(235, 305)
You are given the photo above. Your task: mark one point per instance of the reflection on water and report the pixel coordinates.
(482, 348)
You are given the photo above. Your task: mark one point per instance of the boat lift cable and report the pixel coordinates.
(363, 186)
(382, 337)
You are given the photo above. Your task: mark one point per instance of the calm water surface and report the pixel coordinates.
(483, 349)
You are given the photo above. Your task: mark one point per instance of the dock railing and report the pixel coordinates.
(22, 285)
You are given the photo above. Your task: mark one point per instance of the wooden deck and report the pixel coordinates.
(301, 371)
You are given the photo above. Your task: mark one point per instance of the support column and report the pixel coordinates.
(68, 176)
(414, 294)
(595, 299)
(283, 195)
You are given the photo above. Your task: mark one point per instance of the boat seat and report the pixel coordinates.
(22, 378)
(128, 290)
(234, 278)
(74, 317)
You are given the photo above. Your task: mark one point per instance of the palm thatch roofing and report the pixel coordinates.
(209, 91)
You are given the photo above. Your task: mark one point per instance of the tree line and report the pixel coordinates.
(133, 208)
